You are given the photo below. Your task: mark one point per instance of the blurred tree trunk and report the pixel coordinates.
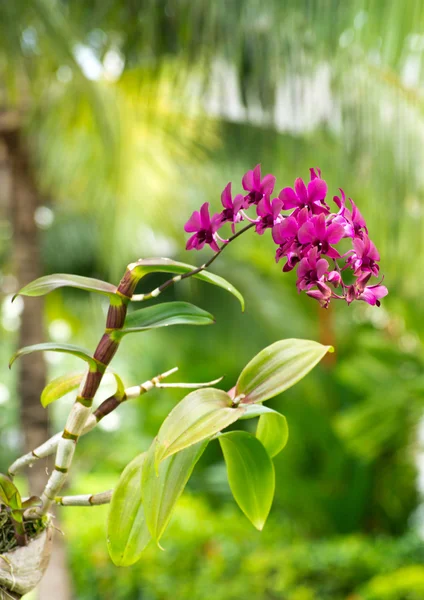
(25, 198)
(32, 369)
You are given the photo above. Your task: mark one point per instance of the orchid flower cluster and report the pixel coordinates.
(306, 232)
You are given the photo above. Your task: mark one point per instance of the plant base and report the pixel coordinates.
(22, 568)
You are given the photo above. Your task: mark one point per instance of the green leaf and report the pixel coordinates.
(9, 493)
(272, 429)
(277, 368)
(47, 284)
(59, 387)
(165, 265)
(250, 474)
(161, 492)
(50, 346)
(120, 387)
(127, 532)
(273, 432)
(32, 502)
(163, 315)
(197, 417)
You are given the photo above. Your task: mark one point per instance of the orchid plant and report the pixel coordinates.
(142, 501)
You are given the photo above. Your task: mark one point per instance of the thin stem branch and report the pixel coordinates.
(155, 293)
(85, 499)
(50, 446)
(104, 409)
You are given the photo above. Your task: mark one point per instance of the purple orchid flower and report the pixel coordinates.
(269, 212)
(364, 258)
(311, 197)
(316, 232)
(335, 278)
(284, 234)
(323, 294)
(311, 270)
(373, 293)
(304, 236)
(256, 186)
(352, 220)
(231, 212)
(315, 173)
(204, 229)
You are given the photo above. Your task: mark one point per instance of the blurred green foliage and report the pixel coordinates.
(216, 553)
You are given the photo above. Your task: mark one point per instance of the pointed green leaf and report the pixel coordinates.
(163, 315)
(250, 474)
(197, 417)
(60, 386)
(120, 387)
(127, 532)
(272, 429)
(50, 346)
(165, 265)
(273, 432)
(277, 368)
(161, 492)
(9, 493)
(32, 502)
(47, 284)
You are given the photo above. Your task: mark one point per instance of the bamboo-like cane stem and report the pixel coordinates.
(50, 446)
(103, 355)
(81, 409)
(85, 499)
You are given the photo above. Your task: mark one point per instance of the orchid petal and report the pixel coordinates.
(268, 183)
(289, 198)
(307, 233)
(317, 190)
(303, 268)
(300, 187)
(247, 181)
(194, 223)
(257, 177)
(332, 253)
(204, 216)
(226, 197)
(334, 233)
(320, 227)
(322, 267)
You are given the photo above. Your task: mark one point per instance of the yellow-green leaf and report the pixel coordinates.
(53, 347)
(160, 492)
(164, 315)
(127, 532)
(278, 367)
(197, 417)
(273, 432)
(9, 493)
(250, 474)
(44, 285)
(59, 387)
(272, 429)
